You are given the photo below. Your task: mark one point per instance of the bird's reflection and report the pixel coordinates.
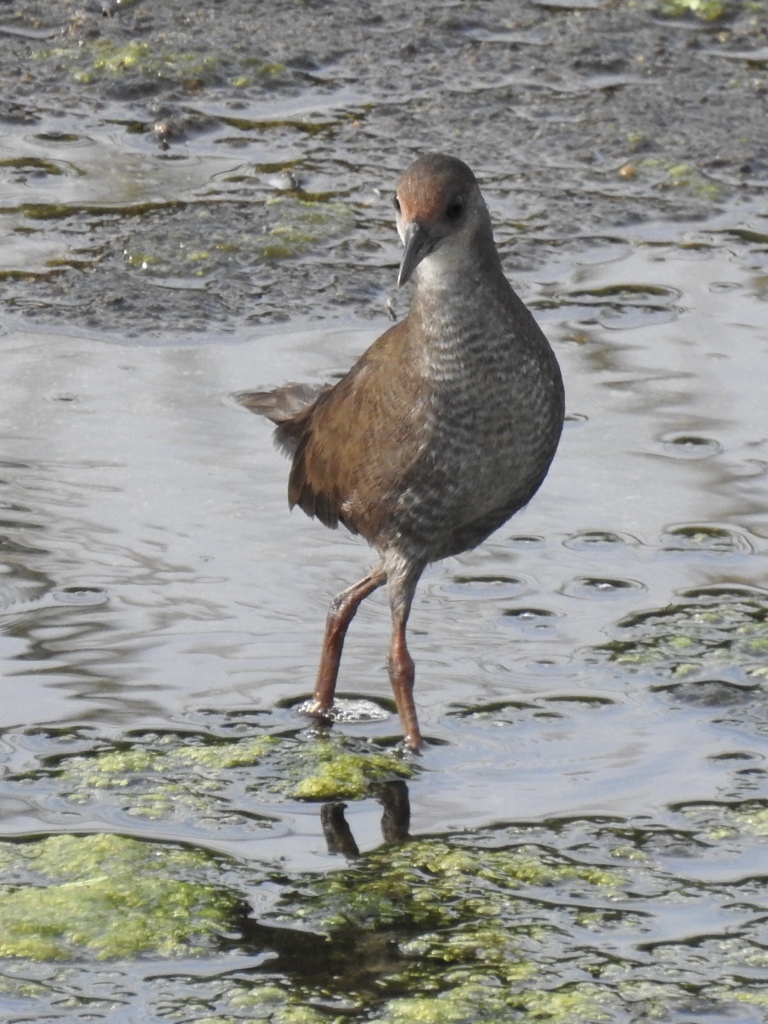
(395, 819)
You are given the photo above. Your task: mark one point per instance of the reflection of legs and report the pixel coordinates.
(338, 834)
(395, 820)
(402, 586)
(342, 611)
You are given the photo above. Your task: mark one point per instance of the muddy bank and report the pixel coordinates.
(200, 166)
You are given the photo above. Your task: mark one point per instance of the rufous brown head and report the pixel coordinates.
(437, 201)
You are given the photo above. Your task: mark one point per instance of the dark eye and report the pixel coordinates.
(454, 208)
(396, 203)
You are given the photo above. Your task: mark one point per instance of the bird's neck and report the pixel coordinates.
(460, 290)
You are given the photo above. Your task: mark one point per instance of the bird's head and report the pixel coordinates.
(439, 207)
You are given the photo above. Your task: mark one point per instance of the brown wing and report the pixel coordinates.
(359, 440)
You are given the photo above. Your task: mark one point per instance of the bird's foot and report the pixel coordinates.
(319, 709)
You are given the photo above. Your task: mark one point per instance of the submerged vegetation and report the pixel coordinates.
(163, 776)
(72, 897)
(453, 928)
(709, 629)
(518, 922)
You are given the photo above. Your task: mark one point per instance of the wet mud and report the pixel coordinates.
(209, 166)
(195, 198)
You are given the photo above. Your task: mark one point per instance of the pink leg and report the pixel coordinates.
(401, 674)
(342, 611)
(402, 587)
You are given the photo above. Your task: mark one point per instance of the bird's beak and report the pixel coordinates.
(418, 244)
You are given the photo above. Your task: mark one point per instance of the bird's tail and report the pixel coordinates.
(283, 403)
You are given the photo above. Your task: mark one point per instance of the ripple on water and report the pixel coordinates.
(513, 712)
(596, 588)
(531, 620)
(486, 586)
(710, 693)
(526, 542)
(589, 540)
(690, 446)
(80, 595)
(714, 539)
(626, 306)
(30, 593)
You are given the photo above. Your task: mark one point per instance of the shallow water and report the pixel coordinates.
(153, 568)
(589, 818)
(155, 581)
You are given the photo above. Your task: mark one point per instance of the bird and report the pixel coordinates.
(442, 430)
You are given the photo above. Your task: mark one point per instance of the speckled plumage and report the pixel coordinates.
(444, 427)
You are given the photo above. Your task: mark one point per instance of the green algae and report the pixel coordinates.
(302, 223)
(302, 1015)
(688, 177)
(106, 896)
(477, 1000)
(116, 767)
(33, 165)
(753, 820)
(456, 928)
(273, 1003)
(470, 941)
(167, 776)
(681, 176)
(433, 882)
(578, 1003)
(454, 1007)
(261, 125)
(276, 1009)
(283, 227)
(718, 822)
(103, 57)
(713, 628)
(337, 774)
(750, 998)
(583, 1002)
(94, 59)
